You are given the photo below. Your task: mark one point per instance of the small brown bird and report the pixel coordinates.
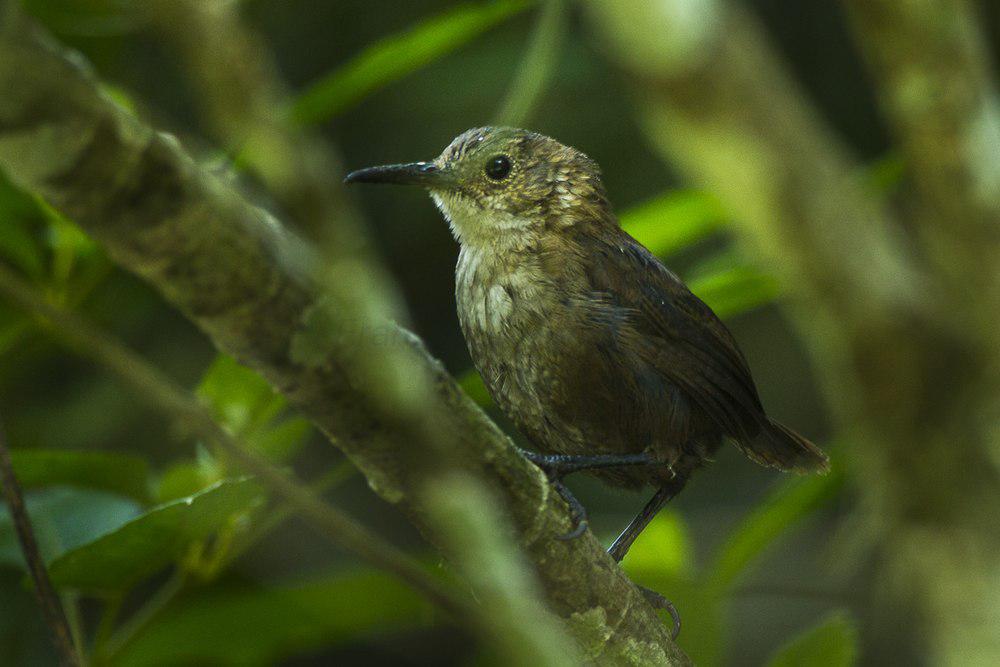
(599, 354)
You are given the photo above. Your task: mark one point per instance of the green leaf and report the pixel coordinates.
(65, 518)
(20, 247)
(260, 627)
(123, 474)
(793, 500)
(537, 66)
(88, 18)
(237, 396)
(19, 221)
(735, 290)
(394, 57)
(244, 401)
(188, 478)
(674, 220)
(283, 441)
(120, 559)
(831, 643)
(884, 175)
(70, 246)
(664, 547)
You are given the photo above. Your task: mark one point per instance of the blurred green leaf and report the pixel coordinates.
(284, 440)
(885, 174)
(123, 474)
(735, 290)
(188, 478)
(793, 500)
(259, 627)
(237, 396)
(664, 547)
(63, 519)
(88, 18)
(118, 560)
(19, 246)
(244, 401)
(19, 222)
(536, 68)
(674, 220)
(395, 56)
(14, 324)
(70, 246)
(831, 643)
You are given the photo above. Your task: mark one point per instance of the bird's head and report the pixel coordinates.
(497, 183)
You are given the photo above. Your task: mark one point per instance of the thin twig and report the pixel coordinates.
(48, 599)
(161, 393)
(264, 526)
(159, 601)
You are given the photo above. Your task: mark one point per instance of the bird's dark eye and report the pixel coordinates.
(497, 167)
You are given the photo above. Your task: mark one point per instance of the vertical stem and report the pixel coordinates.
(52, 610)
(537, 65)
(138, 622)
(105, 626)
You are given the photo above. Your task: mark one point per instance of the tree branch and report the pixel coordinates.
(715, 100)
(48, 599)
(909, 376)
(244, 99)
(241, 277)
(164, 395)
(938, 91)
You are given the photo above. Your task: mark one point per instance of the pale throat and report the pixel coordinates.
(482, 227)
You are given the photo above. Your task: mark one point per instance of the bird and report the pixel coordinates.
(599, 354)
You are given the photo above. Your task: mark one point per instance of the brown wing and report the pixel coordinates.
(685, 341)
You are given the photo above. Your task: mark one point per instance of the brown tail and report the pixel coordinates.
(780, 447)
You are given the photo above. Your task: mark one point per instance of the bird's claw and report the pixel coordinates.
(576, 511)
(660, 602)
(557, 466)
(554, 472)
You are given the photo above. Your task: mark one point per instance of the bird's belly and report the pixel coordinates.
(543, 367)
(572, 372)
(512, 348)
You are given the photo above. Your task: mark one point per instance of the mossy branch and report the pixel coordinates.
(237, 273)
(182, 408)
(908, 348)
(938, 90)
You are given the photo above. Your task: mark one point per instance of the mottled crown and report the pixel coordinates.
(545, 180)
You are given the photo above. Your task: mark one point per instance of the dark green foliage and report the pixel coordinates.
(258, 625)
(145, 545)
(110, 523)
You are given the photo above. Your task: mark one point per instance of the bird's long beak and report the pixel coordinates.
(426, 174)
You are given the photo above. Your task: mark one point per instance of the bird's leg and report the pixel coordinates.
(639, 523)
(557, 466)
(632, 531)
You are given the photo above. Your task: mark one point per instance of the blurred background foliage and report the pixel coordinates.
(165, 556)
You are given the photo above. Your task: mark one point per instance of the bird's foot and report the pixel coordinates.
(577, 512)
(557, 466)
(660, 602)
